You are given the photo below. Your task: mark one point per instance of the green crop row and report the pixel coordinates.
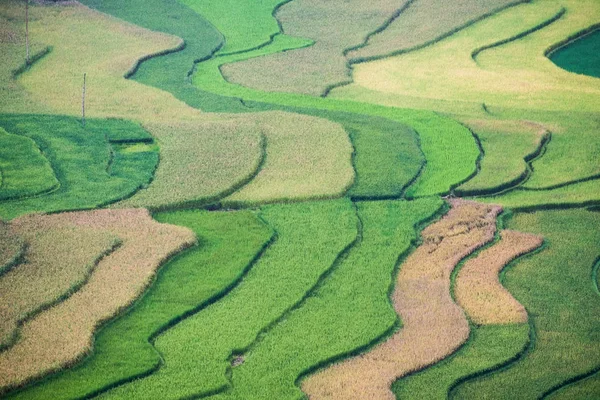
(563, 305)
(488, 348)
(24, 169)
(229, 242)
(198, 351)
(349, 310)
(90, 170)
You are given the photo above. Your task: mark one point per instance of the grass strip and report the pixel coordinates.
(555, 288)
(348, 311)
(509, 148)
(198, 352)
(25, 170)
(576, 195)
(488, 348)
(91, 171)
(229, 244)
(170, 72)
(60, 336)
(244, 25)
(433, 325)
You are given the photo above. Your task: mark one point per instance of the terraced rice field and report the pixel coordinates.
(287, 199)
(60, 324)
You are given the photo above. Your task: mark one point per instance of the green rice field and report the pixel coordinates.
(273, 165)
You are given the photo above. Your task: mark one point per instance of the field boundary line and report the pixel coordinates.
(13, 262)
(564, 184)
(517, 182)
(520, 35)
(477, 161)
(32, 60)
(576, 36)
(176, 320)
(340, 258)
(581, 377)
(557, 206)
(360, 60)
(136, 64)
(271, 41)
(116, 245)
(397, 325)
(395, 15)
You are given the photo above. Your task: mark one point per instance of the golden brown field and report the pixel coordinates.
(61, 335)
(56, 261)
(478, 289)
(433, 325)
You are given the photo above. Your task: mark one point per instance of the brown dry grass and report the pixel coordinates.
(56, 260)
(63, 334)
(478, 290)
(433, 325)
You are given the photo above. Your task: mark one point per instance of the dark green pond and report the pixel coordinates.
(581, 56)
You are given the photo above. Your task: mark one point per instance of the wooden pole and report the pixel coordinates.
(27, 31)
(83, 102)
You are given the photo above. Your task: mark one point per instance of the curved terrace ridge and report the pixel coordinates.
(434, 326)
